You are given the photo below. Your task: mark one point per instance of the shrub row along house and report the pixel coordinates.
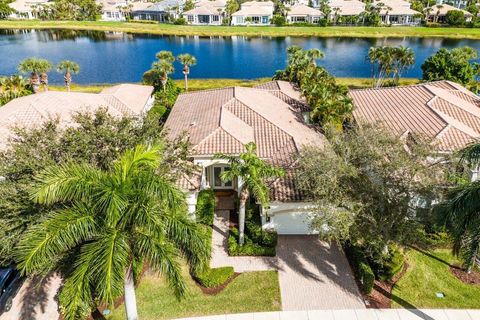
(213, 12)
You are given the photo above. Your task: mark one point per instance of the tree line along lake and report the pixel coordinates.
(110, 57)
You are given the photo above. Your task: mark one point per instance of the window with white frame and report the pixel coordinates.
(215, 18)
(190, 18)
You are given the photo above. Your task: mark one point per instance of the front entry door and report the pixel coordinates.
(218, 183)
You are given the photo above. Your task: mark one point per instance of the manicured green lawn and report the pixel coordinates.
(252, 291)
(272, 31)
(427, 275)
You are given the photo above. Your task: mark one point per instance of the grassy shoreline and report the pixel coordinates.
(269, 31)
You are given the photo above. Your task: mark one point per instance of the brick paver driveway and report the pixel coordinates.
(315, 275)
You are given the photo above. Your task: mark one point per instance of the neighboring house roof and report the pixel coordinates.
(25, 5)
(224, 120)
(303, 10)
(163, 6)
(203, 10)
(443, 112)
(347, 7)
(442, 9)
(35, 109)
(214, 3)
(252, 10)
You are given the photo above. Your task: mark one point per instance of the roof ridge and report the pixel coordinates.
(206, 90)
(421, 84)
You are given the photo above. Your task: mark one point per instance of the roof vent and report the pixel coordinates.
(192, 124)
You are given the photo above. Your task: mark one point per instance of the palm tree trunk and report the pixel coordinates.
(130, 299)
(241, 222)
(186, 82)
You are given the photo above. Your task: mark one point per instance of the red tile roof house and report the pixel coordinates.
(224, 120)
(272, 116)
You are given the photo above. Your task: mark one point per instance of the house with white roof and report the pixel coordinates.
(26, 112)
(162, 11)
(302, 13)
(397, 12)
(438, 13)
(206, 13)
(254, 12)
(345, 8)
(120, 10)
(25, 9)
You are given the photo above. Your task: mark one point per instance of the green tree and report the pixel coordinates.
(455, 18)
(36, 67)
(189, 5)
(252, 173)
(231, 7)
(164, 66)
(186, 60)
(367, 187)
(111, 222)
(68, 67)
(460, 211)
(389, 63)
(5, 9)
(13, 87)
(454, 65)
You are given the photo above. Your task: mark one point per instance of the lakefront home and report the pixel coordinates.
(438, 13)
(33, 110)
(397, 12)
(304, 14)
(120, 10)
(254, 12)
(162, 11)
(25, 9)
(225, 120)
(206, 13)
(345, 8)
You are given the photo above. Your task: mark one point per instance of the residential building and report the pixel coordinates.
(397, 12)
(206, 13)
(25, 9)
(35, 109)
(162, 11)
(438, 13)
(224, 120)
(304, 14)
(460, 4)
(442, 112)
(345, 8)
(121, 10)
(253, 12)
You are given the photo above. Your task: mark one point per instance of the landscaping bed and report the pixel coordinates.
(464, 276)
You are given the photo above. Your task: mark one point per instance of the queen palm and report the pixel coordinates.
(164, 66)
(461, 211)
(109, 224)
(68, 67)
(187, 60)
(252, 173)
(36, 66)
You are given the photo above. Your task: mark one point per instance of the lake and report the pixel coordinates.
(107, 57)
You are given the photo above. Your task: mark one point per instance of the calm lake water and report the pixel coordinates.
(119, 57)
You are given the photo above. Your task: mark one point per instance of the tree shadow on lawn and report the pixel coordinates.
(428, 254)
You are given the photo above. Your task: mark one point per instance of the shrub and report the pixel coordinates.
(278, 20)
(249, 248)
(455, 18)
(144, 21)
(180, 21)
(323, 22)
(361, 268)
(205, 210)
(253, 228)
(214, 277)
(391, 266)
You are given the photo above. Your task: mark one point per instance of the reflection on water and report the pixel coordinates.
(121, 57)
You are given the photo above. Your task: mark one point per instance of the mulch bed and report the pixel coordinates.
(381, 296)
(213, 291)
(462, 275)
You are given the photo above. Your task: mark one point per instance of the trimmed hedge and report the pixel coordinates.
(214, 277)
(249, 248)
(205, 210)
(361, 268)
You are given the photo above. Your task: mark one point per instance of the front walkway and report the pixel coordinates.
(362, 314)
(312, 274)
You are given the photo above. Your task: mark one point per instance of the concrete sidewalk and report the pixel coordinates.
(353, 314)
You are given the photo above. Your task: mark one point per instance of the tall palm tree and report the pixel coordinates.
(461, 211)
(187, 60)
(109, 224)
(404, 59)
(164, 66)
(36, 66)
(253, 173)
(68, 67)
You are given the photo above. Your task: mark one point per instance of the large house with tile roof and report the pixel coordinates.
(33, 110)
(225, 120)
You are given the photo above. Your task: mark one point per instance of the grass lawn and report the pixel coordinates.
(166, 29)
(429, 273)
(252, 291)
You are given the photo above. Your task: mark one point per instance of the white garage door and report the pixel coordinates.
(292, 222)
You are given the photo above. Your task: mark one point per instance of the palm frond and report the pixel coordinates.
(471, 154)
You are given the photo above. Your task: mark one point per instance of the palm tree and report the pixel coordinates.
(109, 224)
(187, 60)
(461, 211)
(12, 87)
(252, 173)
(68, 67)
(164, 66)
(404, 59)
(36, 66)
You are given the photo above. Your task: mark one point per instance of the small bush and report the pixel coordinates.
(361, 268)
(249, 248)
(391, 266)
(144, 21)
(205, 210)
(214, 277)
(455, 18)
(278, 20)
(180, 21)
